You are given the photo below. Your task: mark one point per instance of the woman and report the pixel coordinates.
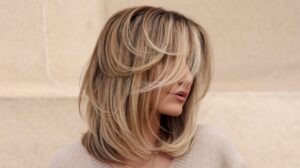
(147, 75)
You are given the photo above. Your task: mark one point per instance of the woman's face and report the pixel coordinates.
(170, 103)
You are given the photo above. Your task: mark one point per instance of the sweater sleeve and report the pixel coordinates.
(231, 157)
(74, 155)
(61, 159)
(67, 157)
(56, 161)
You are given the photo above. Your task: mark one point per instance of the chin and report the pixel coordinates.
(174, 113)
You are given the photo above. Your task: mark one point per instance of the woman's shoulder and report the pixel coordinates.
(73, 155)
(212, 143)
(207, 133)
(210, 136)
(210, 131)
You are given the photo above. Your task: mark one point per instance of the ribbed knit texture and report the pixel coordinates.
(211, 149)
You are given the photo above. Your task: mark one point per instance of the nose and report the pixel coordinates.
(186, 78)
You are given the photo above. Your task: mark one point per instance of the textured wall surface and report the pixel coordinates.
(254, 98)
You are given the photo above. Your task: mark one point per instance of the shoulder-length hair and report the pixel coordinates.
(117, 82)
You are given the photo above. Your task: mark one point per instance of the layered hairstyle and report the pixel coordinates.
(118, 83)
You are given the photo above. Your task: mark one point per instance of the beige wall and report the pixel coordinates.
(254, 97)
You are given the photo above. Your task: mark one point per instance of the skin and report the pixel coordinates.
(167, 105)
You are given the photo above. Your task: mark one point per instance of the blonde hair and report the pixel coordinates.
(118, 82)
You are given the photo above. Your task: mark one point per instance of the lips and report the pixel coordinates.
(182, 93)
(180, 98)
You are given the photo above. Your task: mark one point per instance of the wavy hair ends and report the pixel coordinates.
(118, 81)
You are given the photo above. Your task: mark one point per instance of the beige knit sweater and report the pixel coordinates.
(211, 149)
